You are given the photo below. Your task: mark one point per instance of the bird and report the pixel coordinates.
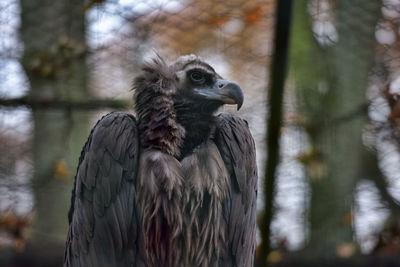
(174, 183)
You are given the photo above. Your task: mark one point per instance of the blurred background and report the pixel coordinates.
(336, 189)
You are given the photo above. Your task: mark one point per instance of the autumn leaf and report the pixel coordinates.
(346, 250)
(15, 227)
(313, 161)
(219, 21)
(91, 4)
(254, 16)
(274, 256)
(60, 169)
(348, 219)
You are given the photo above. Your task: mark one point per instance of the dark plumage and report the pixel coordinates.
(177, 186)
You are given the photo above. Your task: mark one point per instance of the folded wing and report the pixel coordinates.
(103, 216)
(236, 145)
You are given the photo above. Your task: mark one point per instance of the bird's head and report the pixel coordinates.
(175, 103)
(192, 85)
(200, 88)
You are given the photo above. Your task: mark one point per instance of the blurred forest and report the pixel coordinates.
(332, 197)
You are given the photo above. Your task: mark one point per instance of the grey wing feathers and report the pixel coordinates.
(237, 149)
(103, 213)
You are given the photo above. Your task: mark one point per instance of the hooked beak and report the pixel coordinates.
(224, 91)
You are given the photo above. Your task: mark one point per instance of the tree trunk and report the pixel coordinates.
(331, 84)
(53, 35)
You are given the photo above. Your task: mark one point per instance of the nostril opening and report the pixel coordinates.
(221, 85)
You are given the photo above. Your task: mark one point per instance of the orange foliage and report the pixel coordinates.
(254, 16)
(15, 227)
(348, 219)
(219, 21)
(60, 169)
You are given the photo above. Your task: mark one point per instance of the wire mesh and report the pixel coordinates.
(235, 37)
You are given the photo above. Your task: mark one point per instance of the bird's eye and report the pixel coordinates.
(197, 77)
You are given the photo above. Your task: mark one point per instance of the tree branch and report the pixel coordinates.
(90, 104)
(278, 76)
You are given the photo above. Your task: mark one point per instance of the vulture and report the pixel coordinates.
(174, 185)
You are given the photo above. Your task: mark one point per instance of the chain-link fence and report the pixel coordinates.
(58, 59)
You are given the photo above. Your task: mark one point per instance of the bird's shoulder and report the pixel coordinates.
(234, 132)
(104, 146)
(114, 123)
(114, 138)
(229, 120)
(236, 145)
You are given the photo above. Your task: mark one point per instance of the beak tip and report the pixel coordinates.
(236, 94)
(239, 99)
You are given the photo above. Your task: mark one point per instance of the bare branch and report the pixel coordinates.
(90, 104)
